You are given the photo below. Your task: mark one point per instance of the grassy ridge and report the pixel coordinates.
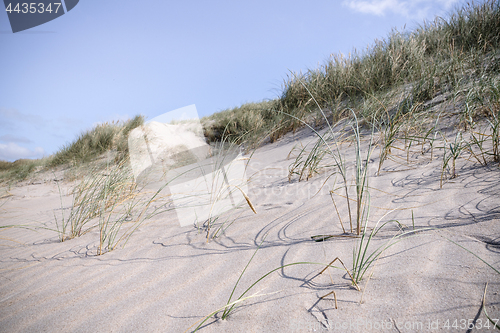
(101, 138)
(19, 169)
(104, 137)
(442, 55)
(442, 50)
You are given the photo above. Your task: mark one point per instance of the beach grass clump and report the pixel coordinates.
(99, 191)
(110, 201)
(249, 122)
(477, 139)
(117, 204)
(365, 254)
(307, 164)
(388, 136)
(362, 202)
(451, 152)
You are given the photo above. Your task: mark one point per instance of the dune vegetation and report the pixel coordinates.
(457, 58)
(426, 98)
(454, 59)
(106, 137)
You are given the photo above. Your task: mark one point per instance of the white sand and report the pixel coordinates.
(168, 277)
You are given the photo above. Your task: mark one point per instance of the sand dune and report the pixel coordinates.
(168, 277)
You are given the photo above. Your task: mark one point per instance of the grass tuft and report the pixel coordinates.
(102, 138)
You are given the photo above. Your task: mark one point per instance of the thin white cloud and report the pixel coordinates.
(416, 9)
(16, 115)
(376, 7)
(11, 151)
(12, 119)
(67, 121)
(14, 138)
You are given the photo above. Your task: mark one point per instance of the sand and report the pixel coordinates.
(168, 277)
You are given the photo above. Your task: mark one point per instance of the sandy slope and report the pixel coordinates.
(168, 277)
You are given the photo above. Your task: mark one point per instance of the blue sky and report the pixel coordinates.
(110, 60)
